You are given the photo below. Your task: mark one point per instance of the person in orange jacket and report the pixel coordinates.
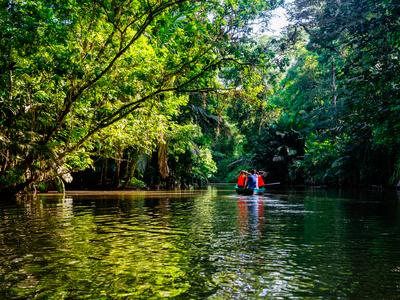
(260, 180)
(241, 182)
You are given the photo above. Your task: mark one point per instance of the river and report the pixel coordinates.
(201, 244)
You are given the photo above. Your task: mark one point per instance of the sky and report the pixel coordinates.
(278, 21)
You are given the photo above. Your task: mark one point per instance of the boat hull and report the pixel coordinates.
(246, 191)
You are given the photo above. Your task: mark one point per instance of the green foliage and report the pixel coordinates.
(189, 156)
(182, 139)
(359, 55)
(106, 78)
(319, 158)
(330, 117)
(78, 161)
(203, 164)
(42, 187)
(172, 91)
(137, 183)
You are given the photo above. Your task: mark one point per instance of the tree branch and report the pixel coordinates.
(72, 97)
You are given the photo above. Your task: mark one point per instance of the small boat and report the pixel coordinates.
(259, 191)
(246, 191)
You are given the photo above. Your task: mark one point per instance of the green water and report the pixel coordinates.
(209, 244)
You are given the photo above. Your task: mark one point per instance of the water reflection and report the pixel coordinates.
(201, 244)
(251, 217)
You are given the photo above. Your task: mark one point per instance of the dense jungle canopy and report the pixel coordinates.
(175, 93)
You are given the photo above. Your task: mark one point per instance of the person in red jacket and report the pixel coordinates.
(241, 182)
(260, 180)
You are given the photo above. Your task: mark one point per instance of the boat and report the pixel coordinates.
(257, 191)
(246, 191)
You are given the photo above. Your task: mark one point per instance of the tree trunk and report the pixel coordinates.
(334, 87)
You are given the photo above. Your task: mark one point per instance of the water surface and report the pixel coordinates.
(203, 244)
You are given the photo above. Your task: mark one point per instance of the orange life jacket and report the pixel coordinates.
(241, 180)
(260, 181)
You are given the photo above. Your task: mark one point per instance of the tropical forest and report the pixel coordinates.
(199, 149)
(175, 94)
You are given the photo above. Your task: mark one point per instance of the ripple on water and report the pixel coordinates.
(216, 246)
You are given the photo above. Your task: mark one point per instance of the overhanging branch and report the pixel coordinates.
(72, 96)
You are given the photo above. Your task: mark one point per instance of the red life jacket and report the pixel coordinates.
(241, 180)
(260, 181)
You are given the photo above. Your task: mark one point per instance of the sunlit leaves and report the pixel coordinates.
(76, 72)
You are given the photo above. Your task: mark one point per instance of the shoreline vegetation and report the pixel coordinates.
(178, 94)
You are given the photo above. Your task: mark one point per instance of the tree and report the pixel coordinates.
(70, 69)
(356, 44)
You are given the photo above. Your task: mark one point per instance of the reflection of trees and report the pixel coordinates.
(221, 260)
(205, 245)
(341, 240)
(85, 250)
(28, 229)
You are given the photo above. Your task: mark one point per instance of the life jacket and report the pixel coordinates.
(241, 180)
(260, 181)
